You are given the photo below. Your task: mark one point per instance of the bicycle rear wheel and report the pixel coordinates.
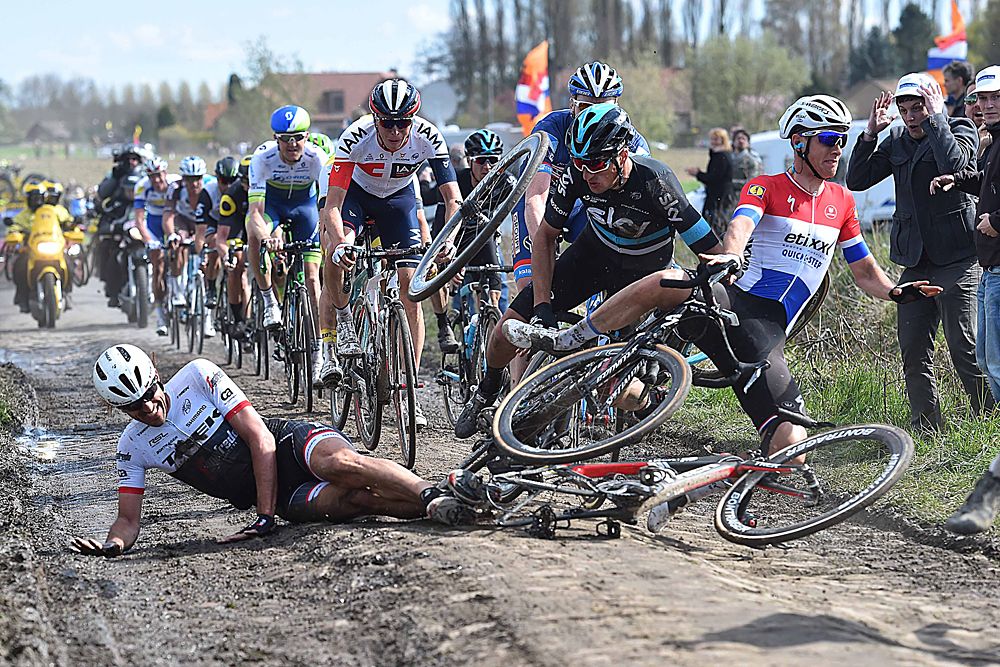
(304, 338)
(199, 313)
(535, 423)
(289, 310)
(367, 407)
(261, 356)
(481, 210)
(846, 469)
(340, 396)
(402, 381)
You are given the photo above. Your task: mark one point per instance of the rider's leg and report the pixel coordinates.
(334, 303)
(519, 363)
(414, 313)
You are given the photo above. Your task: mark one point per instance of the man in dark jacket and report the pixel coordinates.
(932, 236)
(980, 510)
(958, 75)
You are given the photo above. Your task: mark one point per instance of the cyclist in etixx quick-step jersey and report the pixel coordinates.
(371, 179)
(200, 428)
(283, 177)
(790, 225)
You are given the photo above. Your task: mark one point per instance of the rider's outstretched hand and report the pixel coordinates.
(91, 547)
(713, 260)
(262, 526)
(907, 292)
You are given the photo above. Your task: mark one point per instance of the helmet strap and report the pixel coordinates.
(804, 154)
(620, 169)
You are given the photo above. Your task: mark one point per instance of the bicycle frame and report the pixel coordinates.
(481, 289)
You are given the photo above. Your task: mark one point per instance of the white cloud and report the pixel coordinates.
(148, 35)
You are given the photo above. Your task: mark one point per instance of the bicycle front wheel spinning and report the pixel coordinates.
(402, 381)
(485, 210)
(846, 469)
(544, 420)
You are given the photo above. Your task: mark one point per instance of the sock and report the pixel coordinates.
(268, 295)
(442, 319)
(576, 335)
(492, 379)
(344, 315)
(237, 309)
(329, 338)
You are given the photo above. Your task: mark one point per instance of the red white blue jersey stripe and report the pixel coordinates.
(794, 237)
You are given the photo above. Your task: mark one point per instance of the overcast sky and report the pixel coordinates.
(117, 41)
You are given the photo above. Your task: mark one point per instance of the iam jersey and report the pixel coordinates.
(794, 237)
(274, 179)
(196, 444)
(359, 157)
(557, 125)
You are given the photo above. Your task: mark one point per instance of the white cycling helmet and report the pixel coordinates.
(193, 165)
(122, 374)
(155, 165)
(815, 112)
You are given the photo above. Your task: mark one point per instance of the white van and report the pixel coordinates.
(876, 204)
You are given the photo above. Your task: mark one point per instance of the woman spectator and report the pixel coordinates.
(717, 179)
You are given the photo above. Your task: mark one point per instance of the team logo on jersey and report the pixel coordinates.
(831, 211)
(186, 408)
(756, 190)
(636, 195)
(402, 170)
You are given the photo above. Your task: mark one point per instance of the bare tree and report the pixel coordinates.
(665, 26)
(691, 16)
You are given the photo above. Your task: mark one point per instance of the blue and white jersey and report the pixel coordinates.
(557, 125)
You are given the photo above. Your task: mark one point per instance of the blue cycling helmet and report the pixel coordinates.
(600, 131)
(290, 119)
(596, 80)
(483, 142)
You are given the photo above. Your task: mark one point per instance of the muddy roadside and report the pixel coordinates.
(390, 592)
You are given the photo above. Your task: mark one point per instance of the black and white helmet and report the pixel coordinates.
(394, 98)
(122, 374)
(596, 80)
(815, 112)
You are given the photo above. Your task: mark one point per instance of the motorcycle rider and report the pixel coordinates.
(34, 193)
(114, 205)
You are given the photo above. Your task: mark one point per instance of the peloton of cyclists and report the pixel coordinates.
(371, 179)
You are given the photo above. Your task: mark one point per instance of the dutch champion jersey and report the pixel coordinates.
(795, 234)
(359, 157)
(270, 176)
(202, 400)
(151, 200)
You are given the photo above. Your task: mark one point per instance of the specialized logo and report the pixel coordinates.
(757, 191)
(830, 212)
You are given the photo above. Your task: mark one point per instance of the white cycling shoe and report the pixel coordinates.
(529, 337)
(272, 317)
(348, 345)
(209, 325)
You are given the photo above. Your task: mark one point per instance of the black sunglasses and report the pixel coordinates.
(135, 406)
(392, 123)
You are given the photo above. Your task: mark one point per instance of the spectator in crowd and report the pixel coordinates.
(958, 74)
(980, 509)
(931, 235)
(974, 112)
(717, 179)
(747, 164)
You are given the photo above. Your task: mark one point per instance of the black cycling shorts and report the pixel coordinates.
(760, 335)
(586, 268)
(294, 441)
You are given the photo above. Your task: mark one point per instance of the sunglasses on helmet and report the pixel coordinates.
(292, 137)
(828, 137)
(593, 166)
(395, 123)
(485, 159)
(137, 405)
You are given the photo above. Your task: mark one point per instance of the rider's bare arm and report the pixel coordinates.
(870, 277)
(123, 533)
(452, 197)
(333, 227)
(534, 201)
(255, 220)
(543, 259)
(169, 211)
(199, 237)
(221, 237)
(251, 429)
(140, 223)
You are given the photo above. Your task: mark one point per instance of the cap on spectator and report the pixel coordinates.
(988, 80)
(910, 84)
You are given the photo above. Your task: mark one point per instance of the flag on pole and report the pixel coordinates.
(952, 46)
(532, 92)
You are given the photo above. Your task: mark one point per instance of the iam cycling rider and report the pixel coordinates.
(593, 83)
(483, 149)
(789, 224)
(206, 217)
(233, 209)
(200, 428)
(635, 208)
(372, 179)
(150, 199)
(283, 177)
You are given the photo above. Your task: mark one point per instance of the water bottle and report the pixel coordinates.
(470, 331)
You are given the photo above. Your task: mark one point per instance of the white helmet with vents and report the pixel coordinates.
(815, 112)
(122, 374)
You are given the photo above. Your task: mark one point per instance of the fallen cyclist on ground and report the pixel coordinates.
(200, 428)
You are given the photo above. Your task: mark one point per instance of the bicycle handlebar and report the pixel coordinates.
(489, 268)
(706, 275)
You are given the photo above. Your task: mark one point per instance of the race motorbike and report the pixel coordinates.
(135, 296)
(47, 271)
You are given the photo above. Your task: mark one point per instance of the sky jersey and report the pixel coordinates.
(641, 219)
(197, 445)
(151, 200)
(272, 178)
(794, 237)
(179, 201)
(557, 125)
(359, 157)
(207, 211)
